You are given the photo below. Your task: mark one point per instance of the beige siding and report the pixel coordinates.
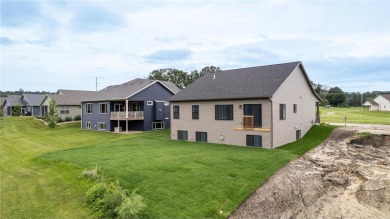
(73, 110)
(295, 90)
(217, 128)
(384, 104)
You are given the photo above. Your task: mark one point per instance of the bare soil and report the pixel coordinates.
(347, 176)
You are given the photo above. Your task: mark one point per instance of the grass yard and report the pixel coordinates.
(40, 171)
(354, 115)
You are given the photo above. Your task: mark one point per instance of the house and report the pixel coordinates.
(140, 104)
(265, 106)
(68, 102)
(10, 102)
(371, 105)
(30, 104)
(380, 103)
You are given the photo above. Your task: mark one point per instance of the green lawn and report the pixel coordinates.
(354, 115)
(40, 171)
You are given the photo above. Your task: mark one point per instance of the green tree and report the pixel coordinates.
(17, 110)
(52, 116)
(178, 77)
(194, 75)
(336, 96)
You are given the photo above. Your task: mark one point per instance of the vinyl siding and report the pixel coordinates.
(216, 128)
(384, 104)
(295, 90)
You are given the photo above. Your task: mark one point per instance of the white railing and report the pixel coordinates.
(130, 115)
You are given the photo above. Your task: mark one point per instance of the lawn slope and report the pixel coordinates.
(185, 179)
(356, 115)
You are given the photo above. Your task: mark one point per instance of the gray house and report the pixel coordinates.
(68, 102)
(265, 106)
(140, 104)
(10, 102)
(30, 104)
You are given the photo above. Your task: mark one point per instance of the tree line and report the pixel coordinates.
(335, 96)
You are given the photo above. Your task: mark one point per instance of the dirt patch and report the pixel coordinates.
(348, 176)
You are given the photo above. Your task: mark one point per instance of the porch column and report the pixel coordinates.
(127, 109)
(118, 125)
(127, 126)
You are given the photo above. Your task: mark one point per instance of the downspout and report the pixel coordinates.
(272, 125)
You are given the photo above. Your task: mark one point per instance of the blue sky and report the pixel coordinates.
(48, 45)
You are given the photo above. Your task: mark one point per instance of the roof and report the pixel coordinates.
(370, 102)
(128, 89)
(14, 100)
(33, 99)
(386, 96)
(244, 83)
(70, 97)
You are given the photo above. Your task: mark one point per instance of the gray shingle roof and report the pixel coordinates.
(70, 97)
(13, 100)
(386, 96)
(127, 89)
(33, 99)
(244, 83)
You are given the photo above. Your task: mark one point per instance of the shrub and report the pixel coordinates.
(91, 174)
(77, 118)
(68, 119)
(95, 197)
(59, 120)
(132, 206)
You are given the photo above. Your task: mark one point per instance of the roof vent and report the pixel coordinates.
(213, 76)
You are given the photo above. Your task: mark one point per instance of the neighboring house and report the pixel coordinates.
(140, 104)
(265, 106)
(68, 102)
(381, 103)
(371, 105)
(32, 104)
(10, 102)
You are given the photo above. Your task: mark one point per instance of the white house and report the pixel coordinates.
(380, 103)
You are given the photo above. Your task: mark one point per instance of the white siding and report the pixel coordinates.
(295, 90)
(216, 128)
(384, 104)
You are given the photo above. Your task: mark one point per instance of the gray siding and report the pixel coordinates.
(96, 117)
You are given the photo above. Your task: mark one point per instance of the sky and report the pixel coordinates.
(51, 45)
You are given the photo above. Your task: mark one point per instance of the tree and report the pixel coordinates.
(52, 116)
(336, 96)
(17, 110)
(180, 78)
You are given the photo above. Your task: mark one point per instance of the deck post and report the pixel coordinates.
(127, 109)
(118, 125)
(127, 126)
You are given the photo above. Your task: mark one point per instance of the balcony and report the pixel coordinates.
(131, 115)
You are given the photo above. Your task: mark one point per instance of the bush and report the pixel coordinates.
(68, 119)
(77, 118)
(91, 174)
(59, 120)
(110, 200)
(132, 206)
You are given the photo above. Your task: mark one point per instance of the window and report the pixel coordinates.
(149, 103)
(176, 112)
(295, 108)
(182, 135)
(298, 134)
(103, 108)
(254, 140)
(88, 108)
(223, 112)
(102, 126)
(255, 111)
(195, 111)
(282, 111)
(201, 136)
(88, 125)
(64, 109)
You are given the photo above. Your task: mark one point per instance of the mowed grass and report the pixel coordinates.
(355, 115)
(40, 171)
(32, 188)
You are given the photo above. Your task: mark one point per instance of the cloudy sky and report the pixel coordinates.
(47, 45)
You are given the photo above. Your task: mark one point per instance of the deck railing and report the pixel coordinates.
(135, 115)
